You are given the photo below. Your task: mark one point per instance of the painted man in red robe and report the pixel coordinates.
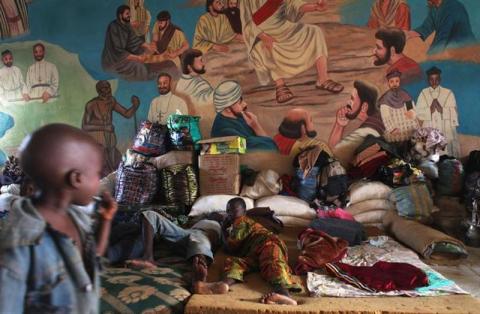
(390, 13)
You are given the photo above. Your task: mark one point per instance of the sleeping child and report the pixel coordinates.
(256, 248)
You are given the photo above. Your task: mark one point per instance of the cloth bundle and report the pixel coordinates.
(373, 153)
(413, 201)
(381, 276)
(267, 183)
(349, 230)
(318, 248)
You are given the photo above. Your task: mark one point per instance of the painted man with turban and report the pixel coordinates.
(233, 119)
(297, 132)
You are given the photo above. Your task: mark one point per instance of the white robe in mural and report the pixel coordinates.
(163, 106)
(447, 121)
(297, 46)
(197, 88)
(12, 85)
(42, 76)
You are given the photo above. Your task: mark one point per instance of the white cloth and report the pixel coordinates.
(12, 85)
(199, 90)
(42, 76)
(297, 46)
(165, 105)
(447, 122)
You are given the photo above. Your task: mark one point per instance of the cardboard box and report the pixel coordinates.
(223, 145)
(219, 174)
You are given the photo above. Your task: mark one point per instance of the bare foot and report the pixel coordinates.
(200, 268)
(202, 287)
(276, 298)
(140, 264)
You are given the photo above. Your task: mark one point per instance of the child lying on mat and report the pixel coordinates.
(256, 247)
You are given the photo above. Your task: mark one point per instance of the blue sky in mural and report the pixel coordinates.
(357, 12)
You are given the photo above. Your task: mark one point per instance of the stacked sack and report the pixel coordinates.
(369, 201)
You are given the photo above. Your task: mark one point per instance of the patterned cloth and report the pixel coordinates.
(258, 248)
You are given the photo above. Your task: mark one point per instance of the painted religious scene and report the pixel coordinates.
(308, 104)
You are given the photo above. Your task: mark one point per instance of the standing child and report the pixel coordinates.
(47, 254)
(255, 247)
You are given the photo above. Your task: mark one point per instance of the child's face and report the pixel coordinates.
(91, 174)
(235, 212)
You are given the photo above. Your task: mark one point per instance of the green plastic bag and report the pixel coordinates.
(184, 131)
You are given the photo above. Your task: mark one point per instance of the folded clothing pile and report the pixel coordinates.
(369, 201)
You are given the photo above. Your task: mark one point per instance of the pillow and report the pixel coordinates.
(369, 205)
(214, 203)
(289, 221)
(413, 201)
(371, 217)
(368, 190)
(267, 183)
(287, 206)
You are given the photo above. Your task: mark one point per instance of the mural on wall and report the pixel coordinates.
(283, 74)
(13, 18)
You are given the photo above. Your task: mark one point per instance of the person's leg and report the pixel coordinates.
(274, 268)
(235, 267)
(321, 65)
(155, 224)
(148, 236)
(323, 82)
(199, 280)
(282, 92)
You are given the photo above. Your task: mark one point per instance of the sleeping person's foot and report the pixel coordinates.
(200, 268)
(202, 287)
(277, 298)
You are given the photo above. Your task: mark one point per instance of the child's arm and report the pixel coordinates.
(108, 208)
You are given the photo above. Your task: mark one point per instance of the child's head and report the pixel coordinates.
(236, 207)
(63, 161)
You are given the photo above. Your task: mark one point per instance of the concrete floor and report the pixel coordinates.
(466, 274)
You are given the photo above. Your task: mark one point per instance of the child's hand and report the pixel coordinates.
(107, 207)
